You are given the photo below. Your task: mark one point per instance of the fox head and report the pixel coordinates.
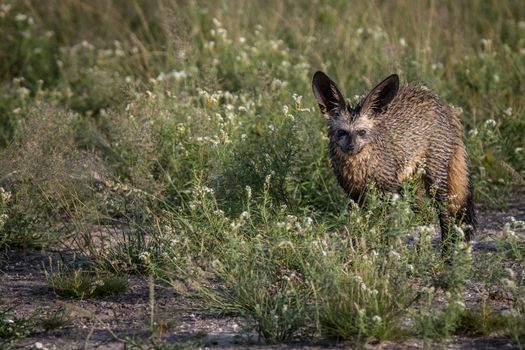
(352, 128)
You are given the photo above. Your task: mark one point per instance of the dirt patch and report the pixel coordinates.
(109, 322)
(116, 321)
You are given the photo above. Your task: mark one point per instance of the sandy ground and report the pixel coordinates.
(105, 323)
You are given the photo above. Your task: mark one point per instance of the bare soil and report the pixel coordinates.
(119, 321)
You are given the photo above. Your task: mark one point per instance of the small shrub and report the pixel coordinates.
(439, 322)
(480, 321)
(79, 283)
(55, 320)
(293, 278)
(12, 327)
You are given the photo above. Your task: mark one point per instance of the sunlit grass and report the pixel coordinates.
(181, 140)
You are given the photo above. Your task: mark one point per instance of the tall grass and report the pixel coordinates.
(181, 139)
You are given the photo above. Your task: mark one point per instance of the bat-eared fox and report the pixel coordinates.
(391, 132)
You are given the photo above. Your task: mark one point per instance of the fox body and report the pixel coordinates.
(389, 134)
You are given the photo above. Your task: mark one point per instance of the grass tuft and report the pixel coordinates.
(80, 283)
(182, 141)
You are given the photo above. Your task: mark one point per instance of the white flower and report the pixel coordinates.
(5, 196)
(291, 218)
(510, 284)
(221, 32)
(39, 345)
(490, 122)
(179, 75)
(460, 304)
(24, 92)
(487, 43)
(376, 319)
(283, 244)
(277, 83)
(20, 17)
(208, 190)
(508, 232)
(429, 290)
(235, 226)
(436, 66)
(511, 273)
(395, 255)
(216, 22)
(297, 98)
(5, 8)
(402, 42)
(458, 231)
(145, 257)
(357, 278)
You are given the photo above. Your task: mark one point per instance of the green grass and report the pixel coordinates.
(12, 327)
(480, 321)
(82, 283)
(182, 140)
(55, 320)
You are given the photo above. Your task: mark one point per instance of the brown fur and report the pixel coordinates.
(355, 169)
(458, 179)
(389, 134)
(409, 169)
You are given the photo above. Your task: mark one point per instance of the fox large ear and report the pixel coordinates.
(380, 96)
(330, 99)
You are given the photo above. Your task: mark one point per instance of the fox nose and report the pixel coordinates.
(349, 148)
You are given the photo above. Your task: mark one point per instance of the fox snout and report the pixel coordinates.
(349, 148)
(346, 143)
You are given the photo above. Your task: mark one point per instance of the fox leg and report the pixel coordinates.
(461, 192)
(437, 187)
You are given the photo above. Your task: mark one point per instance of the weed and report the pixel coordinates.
(182, 141)
(13, 327)
(481, 321)
(80, 283)
(56, 319)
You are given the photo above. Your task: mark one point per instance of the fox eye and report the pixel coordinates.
(340, 133)
(361, 132)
